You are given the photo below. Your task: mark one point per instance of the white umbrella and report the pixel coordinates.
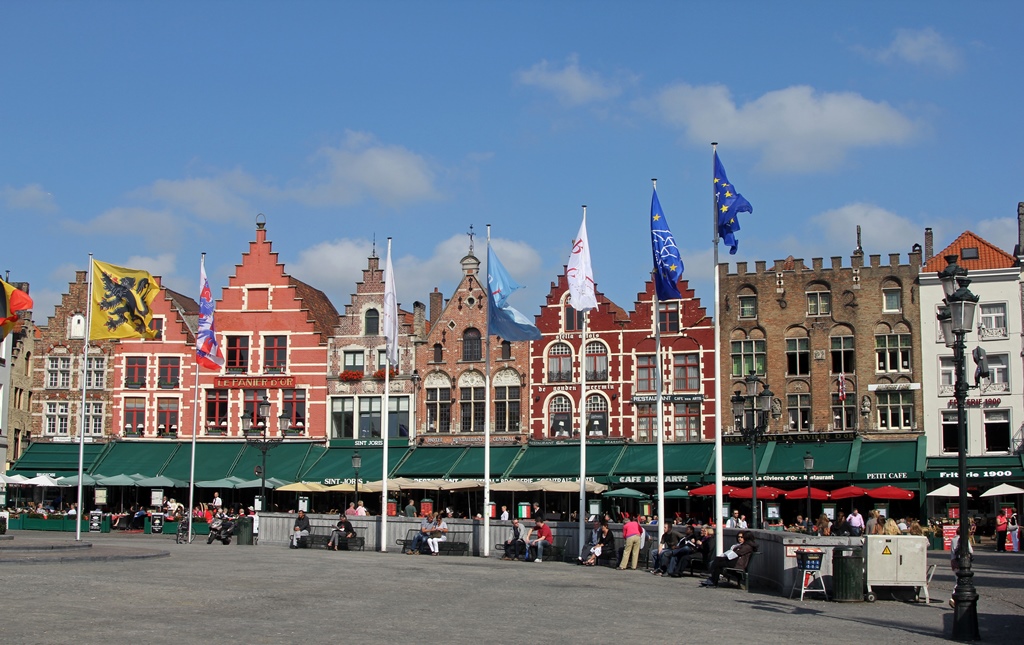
(1003, 489)
(41, 480)
(12, 479)
(511, 486)
(949, 490)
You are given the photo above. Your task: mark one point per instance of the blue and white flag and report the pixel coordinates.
(668, 265)
(502, 319)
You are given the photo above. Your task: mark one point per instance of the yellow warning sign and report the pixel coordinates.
(886, 551)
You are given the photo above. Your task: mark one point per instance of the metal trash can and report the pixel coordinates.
(848, 574)
(244, 531)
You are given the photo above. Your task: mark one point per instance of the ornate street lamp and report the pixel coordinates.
(957, 319)
(808, 467)
(759, 408)
(357, 461)
(262, 441)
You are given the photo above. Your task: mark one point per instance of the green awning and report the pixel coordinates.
(213, 460)
(130, 457)
(683, 463)
(887, 462)
(547, 462)
(335, 465)
(429, 463)
(471, 466)
(55, 459)
(736, 463)
(785, 467)
(285, 461)
(983, 470)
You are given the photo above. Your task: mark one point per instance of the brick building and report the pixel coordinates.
(57, 373)
(357, 358)
(453, 364)
(804, 329)
(621, 363)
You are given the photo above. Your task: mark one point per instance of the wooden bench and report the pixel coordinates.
(741, 577)
(320, 536)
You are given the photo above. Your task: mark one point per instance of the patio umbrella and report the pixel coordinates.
(890, 492)
(161, 481)
(846, 492)
(709, 489)
(627, 493)
(763, 492)
(679, 493)
(1003, 489)
(510, 486)
(302, 487)
(118, 480)
(465, 484)
(340, 488)
(272, 483)
(42, 480)
(949, 490)
(817, 494)
(72, 480)
(225, 482)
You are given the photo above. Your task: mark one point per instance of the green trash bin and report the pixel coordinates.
(244, 534)
(848, 574)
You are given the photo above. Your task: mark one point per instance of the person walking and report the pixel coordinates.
(1001, 526)
(1013, 532)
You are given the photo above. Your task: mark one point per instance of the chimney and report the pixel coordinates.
(419, 314)
(1020, 226)
(436, 305)
(929, 242)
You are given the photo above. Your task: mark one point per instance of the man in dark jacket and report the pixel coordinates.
(340, 534)
(738, 557)
(300, 530)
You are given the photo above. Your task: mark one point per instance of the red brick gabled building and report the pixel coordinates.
(453, 365)
(621, 364)
(357, 358)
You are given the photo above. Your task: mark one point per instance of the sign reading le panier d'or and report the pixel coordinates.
(254, 382)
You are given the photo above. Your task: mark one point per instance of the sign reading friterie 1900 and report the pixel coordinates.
(254, 382)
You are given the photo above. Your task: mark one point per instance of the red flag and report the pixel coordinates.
(12, 300)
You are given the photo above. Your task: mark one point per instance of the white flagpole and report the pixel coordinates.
(583, 421)
(195, 416)
(487, 411)
(81, 428)
(661, 407)
(385, 413)
(719, 538)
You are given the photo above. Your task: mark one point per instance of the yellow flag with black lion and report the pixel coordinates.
(122, 302)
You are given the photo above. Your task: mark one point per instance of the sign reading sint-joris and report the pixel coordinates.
(122, 302)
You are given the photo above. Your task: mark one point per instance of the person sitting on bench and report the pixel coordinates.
(341, 534)
(515, 546)
(300, 532)
(735, 558)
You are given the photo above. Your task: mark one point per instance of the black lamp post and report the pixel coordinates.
(808, 467)
(760, 408)
(956, 319)
(257, 437)
(357, 461)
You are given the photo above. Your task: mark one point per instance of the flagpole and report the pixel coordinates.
(385, 413)
(583, 420)
(487, 411)
(658, 402)
(195, 417)
(719, 538)
(83, 373)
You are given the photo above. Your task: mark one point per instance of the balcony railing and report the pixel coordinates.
(597, 375)
(560, 377)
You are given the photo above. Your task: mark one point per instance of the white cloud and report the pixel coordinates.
(219, 199)
(28, 198)
(158, 229)
(882, 231)
(1000, 231)
(570, 85)
(163, 265)
(796, 128)
(924, 47)
(361, 168)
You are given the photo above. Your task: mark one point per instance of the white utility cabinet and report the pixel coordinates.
(897, 561)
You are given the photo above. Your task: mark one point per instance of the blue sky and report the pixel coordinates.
(147, 133)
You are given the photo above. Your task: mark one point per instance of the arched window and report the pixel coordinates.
(560, 363)
(597, 362)
(560, 417)
(371, 322)
(597, 416)
(471, 345)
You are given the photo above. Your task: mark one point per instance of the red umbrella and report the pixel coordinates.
(709, 489)
(763, 492)
(817, 494)
(847, 492)
(890, 492)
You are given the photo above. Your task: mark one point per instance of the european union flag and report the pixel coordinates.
(728, 203)
(668, 265)
(502, 319)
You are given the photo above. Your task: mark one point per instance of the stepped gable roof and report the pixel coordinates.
(321, 310)
(989, 255)
(186, 307)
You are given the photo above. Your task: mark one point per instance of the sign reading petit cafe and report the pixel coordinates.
(254, 382)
